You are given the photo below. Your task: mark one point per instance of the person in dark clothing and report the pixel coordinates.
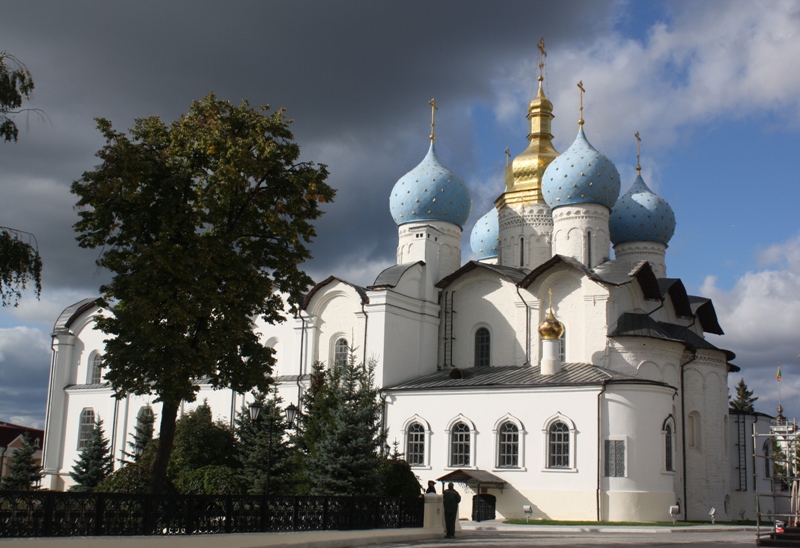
(451, 500)
(431, 487)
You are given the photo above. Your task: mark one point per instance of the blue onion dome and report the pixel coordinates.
(641, 215)
(485, 236)
(581, 175)
(430, 192)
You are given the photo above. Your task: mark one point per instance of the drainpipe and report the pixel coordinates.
(302, 347)
(683, 436)
(599, 447)
(366, 324)
(527, 329)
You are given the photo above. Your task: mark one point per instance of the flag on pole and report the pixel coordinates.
(778, 374)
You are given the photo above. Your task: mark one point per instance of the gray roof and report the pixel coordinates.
(472, 477)
(71, 313)
(514, 376)
(390, 277)
(515, 275)
(631, 324)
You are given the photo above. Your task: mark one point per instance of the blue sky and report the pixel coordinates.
(711, 87)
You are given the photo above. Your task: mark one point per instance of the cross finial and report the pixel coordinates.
(508, 157)
(550, 292)
(542, 55)
(638, 153)
(434, 108)
(580, 87)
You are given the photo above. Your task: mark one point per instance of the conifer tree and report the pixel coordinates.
(24, 472)
(744, 398)
(345, 461)
(142, 435)
(265, 449)
(200, 442)
(95, 461)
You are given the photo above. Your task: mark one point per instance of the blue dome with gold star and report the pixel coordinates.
(581, 175)
(641, 215)
(485, 236)
(430, 192)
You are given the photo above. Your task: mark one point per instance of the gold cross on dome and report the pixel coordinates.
(638, 153)
(542, 55)
(580, 87)
(434, 108)
(550, 292)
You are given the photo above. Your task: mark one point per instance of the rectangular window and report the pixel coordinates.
(509, 446)
(459, 449)
(415, 456)
(615, 459)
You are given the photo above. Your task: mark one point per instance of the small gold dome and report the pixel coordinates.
(551, 328)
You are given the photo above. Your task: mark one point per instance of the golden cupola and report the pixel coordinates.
(523, 175)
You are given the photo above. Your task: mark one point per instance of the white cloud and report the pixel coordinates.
(760, 316)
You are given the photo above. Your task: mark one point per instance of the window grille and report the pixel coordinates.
(86, 427)
(615, 459)
(509, 446)
(558, 446)
(415, 448)
(341, 351)
(459, 445)
(482, 347)
(97, 369)
(668, 448)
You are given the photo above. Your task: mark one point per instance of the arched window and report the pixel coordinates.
(522, 252)
(459, 445)
(508, 456)
(482, 347)
(97, 370)
(668, 448)
(85, 427)
(341, 352)
(558, 446)
(589, 248)
(415, 445)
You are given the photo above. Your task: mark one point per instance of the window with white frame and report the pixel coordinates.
(460, 445)
(96, 370)
(562, 346)
(482, 347)
(508, 454)
(415, 445)
(86, 426)
(341, 352)
(558, 445)
(615, 458)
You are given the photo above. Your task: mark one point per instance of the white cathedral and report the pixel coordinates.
(546, 374)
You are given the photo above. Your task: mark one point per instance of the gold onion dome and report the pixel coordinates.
(551, 328)
(523, 175)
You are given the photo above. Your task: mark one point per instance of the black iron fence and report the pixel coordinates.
(56, 514)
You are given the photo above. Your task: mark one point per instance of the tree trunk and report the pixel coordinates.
(166, 436)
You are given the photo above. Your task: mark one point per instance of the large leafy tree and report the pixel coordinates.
(20, 262)
(203, 223)
(24, 472)
(94, 461)
(744, 398)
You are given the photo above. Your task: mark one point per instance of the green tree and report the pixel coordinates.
(265, 449)
(201, 442)
(24, 472)
(212, 480)
(203, 223)
(345, 461)
(398, 479)
(20, 262)
(94, 462)
(142, 434)
(744, 398)
(16, 85)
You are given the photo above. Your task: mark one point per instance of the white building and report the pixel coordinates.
(576, 384)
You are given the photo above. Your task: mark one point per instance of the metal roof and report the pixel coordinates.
(472, 476)
(391, 276)
(514, 376)
(703, 308)
(677, 293)
(330, 279)
(514, 275)
(71, 313)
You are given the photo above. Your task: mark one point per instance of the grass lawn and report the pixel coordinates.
(624, 523)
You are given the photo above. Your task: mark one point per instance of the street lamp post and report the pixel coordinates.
(255, 411)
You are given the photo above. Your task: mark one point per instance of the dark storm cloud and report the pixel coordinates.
(355, 76)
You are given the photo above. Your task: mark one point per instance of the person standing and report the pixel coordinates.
(431, 487)
(451, 500)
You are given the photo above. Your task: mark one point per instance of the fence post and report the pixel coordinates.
(99, 512)
(229, 513)
(49, 504)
